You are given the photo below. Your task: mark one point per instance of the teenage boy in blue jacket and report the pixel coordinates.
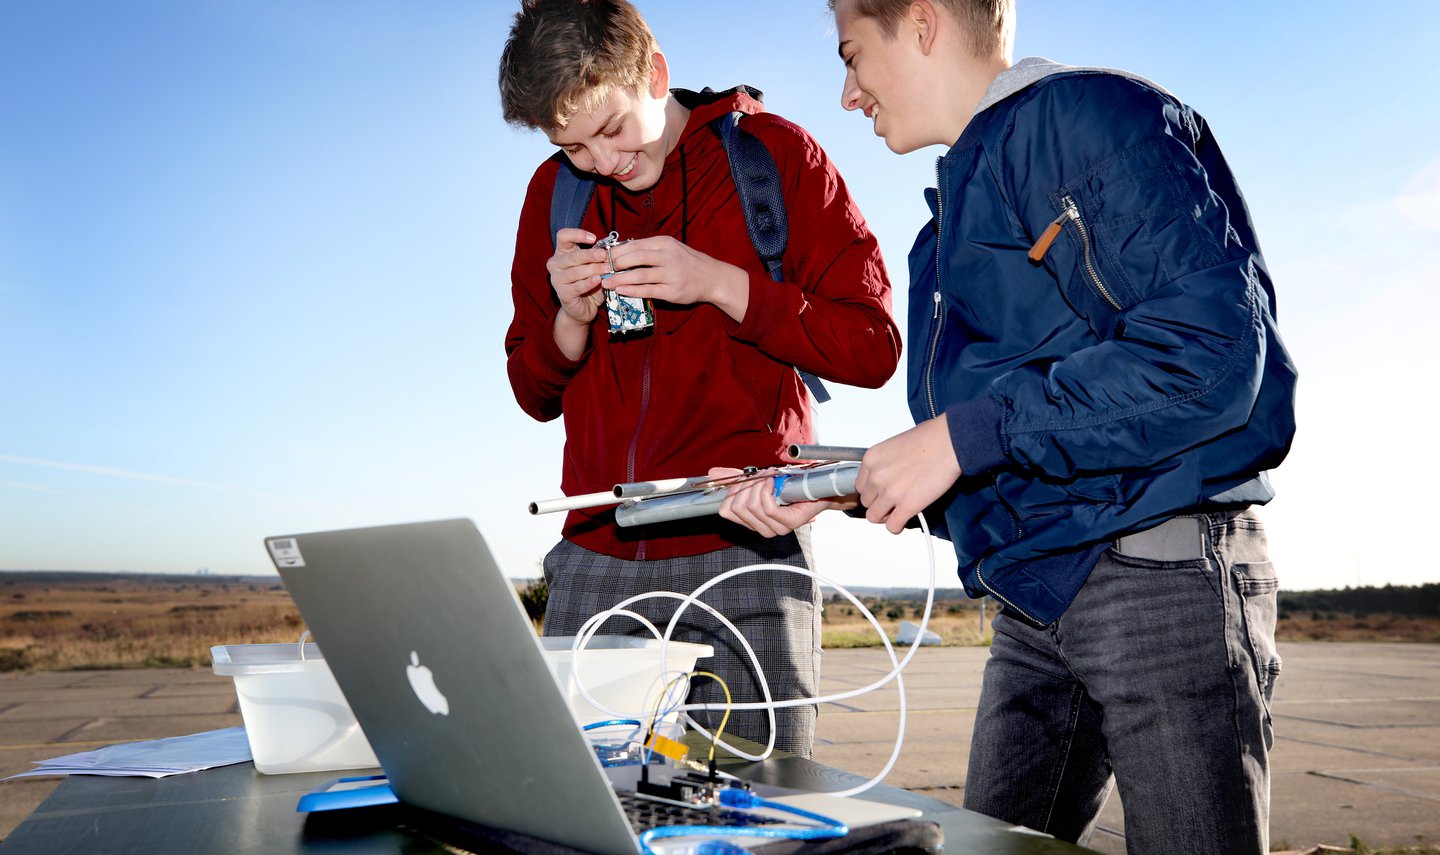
(1099, 391)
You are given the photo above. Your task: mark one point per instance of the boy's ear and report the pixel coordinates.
(659, 75)
(922, 18)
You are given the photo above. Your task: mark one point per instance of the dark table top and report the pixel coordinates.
(234, 809)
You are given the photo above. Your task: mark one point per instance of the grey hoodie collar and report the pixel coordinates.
(1031, 70)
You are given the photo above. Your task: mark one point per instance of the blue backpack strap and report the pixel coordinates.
(757, 181)
(569, 199)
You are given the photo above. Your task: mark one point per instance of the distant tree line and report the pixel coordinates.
(1407, 600)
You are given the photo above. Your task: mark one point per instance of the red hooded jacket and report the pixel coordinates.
(701, 390)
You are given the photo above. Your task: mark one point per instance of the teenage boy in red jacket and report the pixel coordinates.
(714, 381)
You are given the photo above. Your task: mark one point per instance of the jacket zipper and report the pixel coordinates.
(936, 318)
(1037, 252)
(980, 577)
(930, 359)
(639, 422)
(1071, 211)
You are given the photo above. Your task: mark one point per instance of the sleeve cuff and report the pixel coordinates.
(975, 434)
(548, 363)
(771, 305)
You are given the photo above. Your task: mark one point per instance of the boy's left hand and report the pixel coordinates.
(663, 268)
(752, 504)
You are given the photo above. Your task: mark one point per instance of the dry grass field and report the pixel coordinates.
(50, 623)
(65, 621)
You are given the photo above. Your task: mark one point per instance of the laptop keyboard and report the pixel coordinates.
(645, 814)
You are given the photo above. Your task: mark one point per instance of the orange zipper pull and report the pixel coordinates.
(1042, 246)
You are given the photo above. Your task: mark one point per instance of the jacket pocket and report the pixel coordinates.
(749, 377)
(1095, 489)
(1140, 220)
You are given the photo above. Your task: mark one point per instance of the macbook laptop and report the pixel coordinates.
(428, 642)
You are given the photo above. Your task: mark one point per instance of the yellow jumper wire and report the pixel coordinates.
(655, 740)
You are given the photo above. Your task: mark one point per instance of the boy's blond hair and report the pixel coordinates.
(990, 24)
(566, 56)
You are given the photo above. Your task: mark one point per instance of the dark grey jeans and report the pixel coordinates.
(1157, 680)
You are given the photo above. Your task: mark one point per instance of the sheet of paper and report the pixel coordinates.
(153, 758)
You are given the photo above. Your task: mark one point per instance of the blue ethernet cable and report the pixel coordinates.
(720, 847)
(614, 722)
(734, 797)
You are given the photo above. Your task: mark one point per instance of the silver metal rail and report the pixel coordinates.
(820, 482)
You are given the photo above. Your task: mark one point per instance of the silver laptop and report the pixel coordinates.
(428, 641)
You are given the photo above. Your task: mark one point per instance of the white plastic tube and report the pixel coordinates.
(573, 503)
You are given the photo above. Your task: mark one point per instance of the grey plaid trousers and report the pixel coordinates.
(778, 612)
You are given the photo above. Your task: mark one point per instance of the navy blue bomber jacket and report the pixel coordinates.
(1097, 384)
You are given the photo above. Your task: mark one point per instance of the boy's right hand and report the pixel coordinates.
(575, 270)
(903, 475)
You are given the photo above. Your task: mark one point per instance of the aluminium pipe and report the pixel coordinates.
(821, 482)
(636, 489)
(825, 452)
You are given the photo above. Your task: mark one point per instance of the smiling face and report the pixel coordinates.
(626, 136)
(885, 78)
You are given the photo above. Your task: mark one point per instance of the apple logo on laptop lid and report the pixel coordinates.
(422, 681)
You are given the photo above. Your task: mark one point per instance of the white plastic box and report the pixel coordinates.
(620, 671)
(296, 719)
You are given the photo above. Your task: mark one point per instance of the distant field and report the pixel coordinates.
(113, 621)
(57, 621)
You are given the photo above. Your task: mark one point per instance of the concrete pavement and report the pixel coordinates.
(1357, 746)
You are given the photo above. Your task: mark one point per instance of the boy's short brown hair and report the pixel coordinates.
(566, 56)
(989, 23)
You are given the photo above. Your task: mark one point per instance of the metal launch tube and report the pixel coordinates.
(825, 452)
(821, 482)
(636, 489)
(632, 490)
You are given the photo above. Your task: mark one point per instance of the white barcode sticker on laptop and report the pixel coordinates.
(286, 552)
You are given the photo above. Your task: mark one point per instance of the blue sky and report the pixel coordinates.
(254, 264)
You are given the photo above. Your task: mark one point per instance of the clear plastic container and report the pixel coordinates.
(295, 716)
(620, 671)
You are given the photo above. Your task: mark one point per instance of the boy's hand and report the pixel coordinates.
(663, 268)
(752, 504)
(575, 275)
(901, 476)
